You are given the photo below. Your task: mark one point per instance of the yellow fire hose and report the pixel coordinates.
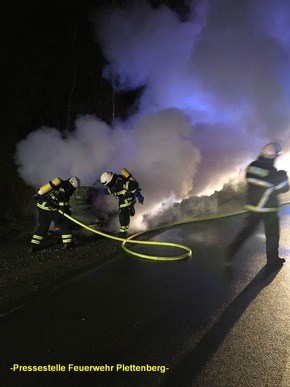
(188, 251)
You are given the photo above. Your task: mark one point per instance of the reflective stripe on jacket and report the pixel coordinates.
(46, 206)
(57, 198)
(124, 190)
(265, 183)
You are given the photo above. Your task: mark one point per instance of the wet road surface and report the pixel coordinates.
(133, 322)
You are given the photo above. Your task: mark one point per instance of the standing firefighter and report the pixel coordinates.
(126, 189)
(50, 198)
(264, 184)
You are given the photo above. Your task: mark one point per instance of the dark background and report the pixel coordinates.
(51, 72)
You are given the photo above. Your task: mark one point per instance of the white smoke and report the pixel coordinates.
(225, 66)
(94, 147)
(216, 88)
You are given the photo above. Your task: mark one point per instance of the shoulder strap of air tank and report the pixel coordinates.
(53, 185)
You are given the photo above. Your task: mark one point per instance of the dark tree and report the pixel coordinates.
(51, 72)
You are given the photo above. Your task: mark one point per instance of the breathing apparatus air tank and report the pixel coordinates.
(125, 173)
(49, 186)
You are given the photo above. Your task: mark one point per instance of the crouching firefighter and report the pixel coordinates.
(126, 189)
(51, 198)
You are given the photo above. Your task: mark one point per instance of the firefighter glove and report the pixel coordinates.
(36, 196)
(140, 197)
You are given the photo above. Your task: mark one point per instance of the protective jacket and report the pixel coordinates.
(123, 189)
(265, 183)
(56, 199)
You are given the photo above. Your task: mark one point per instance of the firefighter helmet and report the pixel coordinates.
(75, 181)
(106, 177)
(271, 151)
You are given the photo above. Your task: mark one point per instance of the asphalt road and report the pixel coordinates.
(133, 322)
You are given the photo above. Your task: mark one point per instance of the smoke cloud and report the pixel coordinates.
(216, 89)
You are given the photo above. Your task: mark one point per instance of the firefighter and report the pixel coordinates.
(126, 189)
(264, 184)
(48, 204)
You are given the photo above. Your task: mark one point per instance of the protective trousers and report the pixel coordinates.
(271, 228)
(124, 217)
(44, 219)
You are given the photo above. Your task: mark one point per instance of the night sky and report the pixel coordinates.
(182, 93)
